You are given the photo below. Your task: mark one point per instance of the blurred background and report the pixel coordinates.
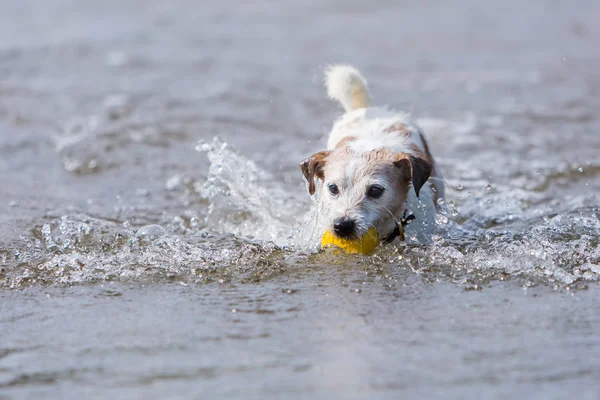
(141, 256)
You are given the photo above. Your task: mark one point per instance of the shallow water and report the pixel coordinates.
(150, 187)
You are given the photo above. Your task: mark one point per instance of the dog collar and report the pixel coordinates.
(399, 229)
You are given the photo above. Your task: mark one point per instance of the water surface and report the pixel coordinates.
(154, 227)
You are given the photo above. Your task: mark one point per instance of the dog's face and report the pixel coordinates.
(363, 190)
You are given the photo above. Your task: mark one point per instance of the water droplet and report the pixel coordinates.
(126, 224)
(233, 310)
(203, 146)
(151, 232)
(588, 275)
(460, 186)
(454, 212)
(220, 281)
(440, 201)
(116, 106)
(174, 182)
(488, 187)
(441, 219)
(580, 169)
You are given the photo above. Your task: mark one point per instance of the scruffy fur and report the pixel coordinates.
(376, 166)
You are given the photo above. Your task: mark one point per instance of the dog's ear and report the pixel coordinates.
(419, 168)
(313, 167)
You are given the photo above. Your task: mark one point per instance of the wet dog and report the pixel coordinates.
(377, 168)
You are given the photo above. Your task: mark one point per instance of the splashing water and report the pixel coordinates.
(255, 226)
(247, 201)
(250, 219)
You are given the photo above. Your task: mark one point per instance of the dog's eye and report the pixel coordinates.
(333, 189)
(375, 191)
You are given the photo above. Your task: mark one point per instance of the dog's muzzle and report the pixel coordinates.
(344, 227)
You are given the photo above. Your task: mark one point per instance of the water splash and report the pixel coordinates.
(249, 202)
(80, 248)
(254, 226)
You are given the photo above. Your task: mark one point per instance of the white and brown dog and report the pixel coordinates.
(377, 168)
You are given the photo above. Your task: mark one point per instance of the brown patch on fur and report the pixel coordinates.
(419, 166)
(376, 160)
(382, 154)
(360, 97)
(417, 152)
(345, 141)
(400, 178)
(383, 161)
(313, 167)
(399, 127)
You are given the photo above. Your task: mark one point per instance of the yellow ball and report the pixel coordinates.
(365, 245)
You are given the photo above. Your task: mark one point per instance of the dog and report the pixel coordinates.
(376, 170)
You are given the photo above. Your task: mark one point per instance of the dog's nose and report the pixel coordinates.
(344, 227)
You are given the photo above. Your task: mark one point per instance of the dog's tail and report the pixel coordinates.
(345, 84)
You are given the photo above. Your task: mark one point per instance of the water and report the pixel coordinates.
(155, 235)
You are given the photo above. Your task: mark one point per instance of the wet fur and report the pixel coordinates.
(373, 146)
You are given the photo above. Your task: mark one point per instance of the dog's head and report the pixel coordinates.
(361, 190)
